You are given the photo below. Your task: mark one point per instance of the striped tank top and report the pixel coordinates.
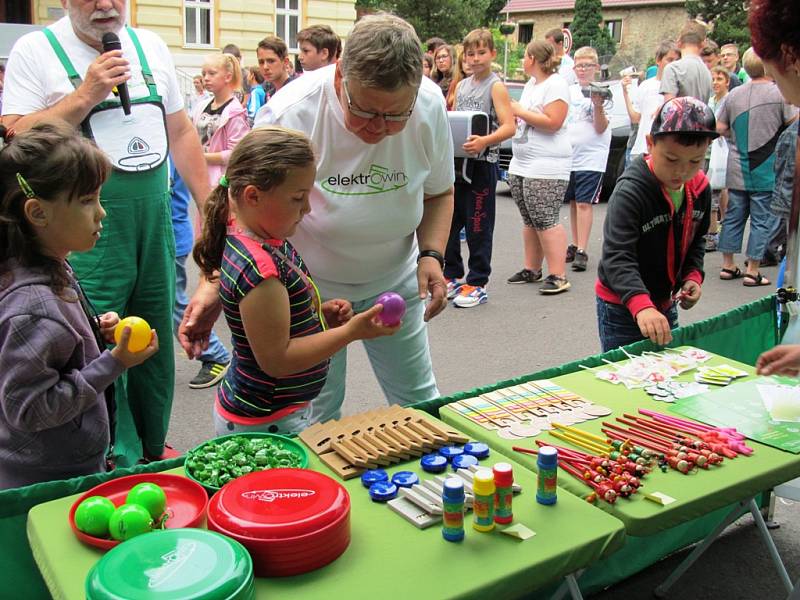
(246, 391)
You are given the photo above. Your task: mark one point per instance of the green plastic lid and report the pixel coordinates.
(174, 564)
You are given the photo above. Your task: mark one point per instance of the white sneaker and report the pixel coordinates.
(470, 295)
(452, 288)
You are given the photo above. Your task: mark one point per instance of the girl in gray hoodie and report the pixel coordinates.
(56, 374)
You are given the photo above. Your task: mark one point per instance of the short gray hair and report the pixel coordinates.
(383, 52)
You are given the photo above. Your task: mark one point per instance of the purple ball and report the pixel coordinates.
(394, 307)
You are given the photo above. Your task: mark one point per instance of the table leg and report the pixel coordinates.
(773, 550)
(570, 585)
(661, 591)
(752, 506)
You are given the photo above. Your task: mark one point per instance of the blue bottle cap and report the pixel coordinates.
(464, 461)
(453, 489)
(433, 463)
(548, 457)
(373, 476)
(450, 452)
(477, 449)
(382, 491)
(405, 478)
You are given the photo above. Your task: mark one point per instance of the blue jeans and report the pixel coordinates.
(763, 223)
(617, 326)
(216, 352)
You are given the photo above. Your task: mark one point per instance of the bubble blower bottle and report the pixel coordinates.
(453, 509)
(483, 504)
(547, 465)
(503, 481)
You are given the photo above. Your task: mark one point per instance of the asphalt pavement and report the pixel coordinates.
(519, 331)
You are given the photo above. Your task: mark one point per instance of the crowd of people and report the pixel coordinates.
(319, 186)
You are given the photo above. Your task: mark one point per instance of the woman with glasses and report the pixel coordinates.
(443, 63)
(381, 204)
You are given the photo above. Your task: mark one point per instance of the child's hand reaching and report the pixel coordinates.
(690, 294)
(366, 325)
(108, 321)
(654, 326)
(337, 312)
(131, 359)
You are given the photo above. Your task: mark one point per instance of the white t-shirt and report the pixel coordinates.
(367, 202)
(589, 148)
(539, 154)
(567, 69)
(35, 79)
(646, 101)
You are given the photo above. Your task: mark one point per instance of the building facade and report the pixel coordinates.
(193, 28)
(636, 25)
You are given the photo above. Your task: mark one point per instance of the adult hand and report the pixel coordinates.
(691, 293)
(108, 70)
(516, 107)
(654, 326)
(131, 359)
(625, 82)
(108, 322)
(337, 312)
(781, 360)
(474, 144)
(199, 318)
(430, 280)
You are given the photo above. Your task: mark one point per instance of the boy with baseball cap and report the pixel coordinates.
(654, 231)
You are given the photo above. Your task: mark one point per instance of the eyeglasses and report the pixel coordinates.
(368, 116)
(584, 66)
(443, 57)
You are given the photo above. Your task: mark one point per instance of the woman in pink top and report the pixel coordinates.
(222, 122)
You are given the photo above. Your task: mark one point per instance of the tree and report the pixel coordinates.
(727, 19)
(447, 19)
(587, 28)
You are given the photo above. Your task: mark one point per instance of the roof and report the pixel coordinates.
(520, 6)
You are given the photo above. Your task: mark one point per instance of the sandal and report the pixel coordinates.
(728, 274)
(755, 280)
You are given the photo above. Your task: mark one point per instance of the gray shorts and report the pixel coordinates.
(538, 200)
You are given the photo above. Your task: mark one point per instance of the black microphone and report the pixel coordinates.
(111, 42)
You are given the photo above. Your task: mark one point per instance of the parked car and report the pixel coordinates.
(620, 129)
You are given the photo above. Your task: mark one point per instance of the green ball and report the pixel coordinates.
(128, 521)
(93, 514)
(150, 496)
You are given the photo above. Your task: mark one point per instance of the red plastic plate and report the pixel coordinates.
(186, 502)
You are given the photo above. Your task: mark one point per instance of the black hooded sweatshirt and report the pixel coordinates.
(649, 250)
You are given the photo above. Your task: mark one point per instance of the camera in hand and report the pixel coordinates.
(597, 89)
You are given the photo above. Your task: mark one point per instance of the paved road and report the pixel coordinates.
(520, 331)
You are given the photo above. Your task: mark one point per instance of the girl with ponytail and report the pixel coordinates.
(55, 371)
(283, 334)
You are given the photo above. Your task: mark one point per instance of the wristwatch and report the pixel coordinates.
(433, 254)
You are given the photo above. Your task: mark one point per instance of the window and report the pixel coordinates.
(615, 29)
(287, 20)
(197, 19)
(525, 33)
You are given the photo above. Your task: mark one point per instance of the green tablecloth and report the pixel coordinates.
(387, 553)
(697, 494)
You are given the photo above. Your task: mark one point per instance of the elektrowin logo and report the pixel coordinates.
(171, 564)
(281, 494)
(378, 180)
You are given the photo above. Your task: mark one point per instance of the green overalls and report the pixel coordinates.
(131, 270)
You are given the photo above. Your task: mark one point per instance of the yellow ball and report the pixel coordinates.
(140, 333)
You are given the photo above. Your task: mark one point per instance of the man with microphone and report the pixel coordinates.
(118, 85)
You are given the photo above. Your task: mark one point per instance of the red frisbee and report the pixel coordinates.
(186, 502)
(291, 520)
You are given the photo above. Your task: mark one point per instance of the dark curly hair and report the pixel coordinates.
(57, 163)
(775, 29)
